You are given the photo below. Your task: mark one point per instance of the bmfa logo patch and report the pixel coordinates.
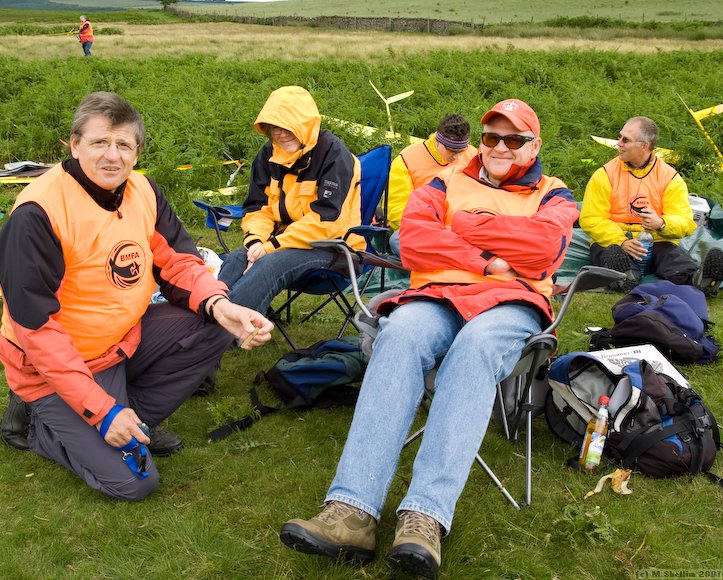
(126, 264)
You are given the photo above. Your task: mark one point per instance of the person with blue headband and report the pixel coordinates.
(419, 163)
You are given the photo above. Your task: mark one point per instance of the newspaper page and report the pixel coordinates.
(616, 358)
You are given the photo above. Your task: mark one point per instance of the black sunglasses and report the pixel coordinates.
(511, 141)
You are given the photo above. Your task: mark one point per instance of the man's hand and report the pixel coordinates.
(123, 427)
(500, 266)
(634, 249)
(651, 220)
(255, 252)
(242, 322)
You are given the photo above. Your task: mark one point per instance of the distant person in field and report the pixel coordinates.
(634, 191)
(419, 163)
(85, 35)
(94, 368)
(482, 242)
(304, 186)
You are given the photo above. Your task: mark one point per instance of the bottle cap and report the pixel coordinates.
(603, 400)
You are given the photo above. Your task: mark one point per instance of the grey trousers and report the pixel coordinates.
(177, 350)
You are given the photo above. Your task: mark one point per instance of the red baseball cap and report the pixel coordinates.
(517, 112)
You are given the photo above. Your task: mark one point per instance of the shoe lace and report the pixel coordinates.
(333, 511)
(420, 524)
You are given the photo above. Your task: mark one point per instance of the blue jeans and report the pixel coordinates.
(270, 275)
(394, 243)
(86, 48)
(477, 355)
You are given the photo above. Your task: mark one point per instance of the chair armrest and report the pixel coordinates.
(368, 258)
(370, 230)
(588, 278)
(219, 217)
(333, 244)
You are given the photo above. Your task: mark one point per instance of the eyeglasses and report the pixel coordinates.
(511, 141)
(276, 129)
(626, 140)
(102, 145)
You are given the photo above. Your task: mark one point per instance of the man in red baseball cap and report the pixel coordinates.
(519, 113)
(481, 241)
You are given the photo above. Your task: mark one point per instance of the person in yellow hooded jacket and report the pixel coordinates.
(304, 186)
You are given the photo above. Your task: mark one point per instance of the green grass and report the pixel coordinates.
(44, 17)
(79, 5)
(478, 11)
(197, 109)
(220, 506)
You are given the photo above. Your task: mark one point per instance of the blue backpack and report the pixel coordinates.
(325, 374)
(673, 318)
(657, 426)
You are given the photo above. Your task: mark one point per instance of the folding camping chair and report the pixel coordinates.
(375, 165)
(514, 404)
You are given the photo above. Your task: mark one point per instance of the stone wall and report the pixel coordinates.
(428, 25)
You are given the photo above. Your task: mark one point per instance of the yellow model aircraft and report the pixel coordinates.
(698, 116)
(228, 190)
(667, 155)
(368, 131)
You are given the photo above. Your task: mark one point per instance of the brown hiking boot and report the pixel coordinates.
(339, 530)
(416, 547)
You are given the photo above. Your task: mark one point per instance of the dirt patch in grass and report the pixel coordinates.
(238, 41)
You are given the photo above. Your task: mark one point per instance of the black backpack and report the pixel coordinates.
(657, 426)
(671, 317)
(325, 374)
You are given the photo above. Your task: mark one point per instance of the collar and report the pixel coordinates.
(431, 145)
(520, 178)
(108, 200)
(644, 170)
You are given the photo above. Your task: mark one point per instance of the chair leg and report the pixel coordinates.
(528, 450)
(491, 474)
(352, 308)
(496, 481)
(275, 317)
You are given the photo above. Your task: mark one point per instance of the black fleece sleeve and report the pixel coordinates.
(31, 266)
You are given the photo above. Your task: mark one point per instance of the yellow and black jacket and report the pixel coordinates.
(312, 194)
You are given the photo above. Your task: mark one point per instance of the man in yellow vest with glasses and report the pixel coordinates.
(637, 191)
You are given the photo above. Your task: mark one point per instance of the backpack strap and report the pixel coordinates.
(245, 422)
(636, 443)
(713, 478)
(557, 421)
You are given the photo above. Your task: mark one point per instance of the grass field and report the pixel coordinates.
(220, 506)
(487, 11)
(231, 41)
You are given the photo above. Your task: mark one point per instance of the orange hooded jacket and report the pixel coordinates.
(311, 194)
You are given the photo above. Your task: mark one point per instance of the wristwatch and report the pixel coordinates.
(662, 227)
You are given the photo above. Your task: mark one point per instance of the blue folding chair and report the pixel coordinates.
(375, 165)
